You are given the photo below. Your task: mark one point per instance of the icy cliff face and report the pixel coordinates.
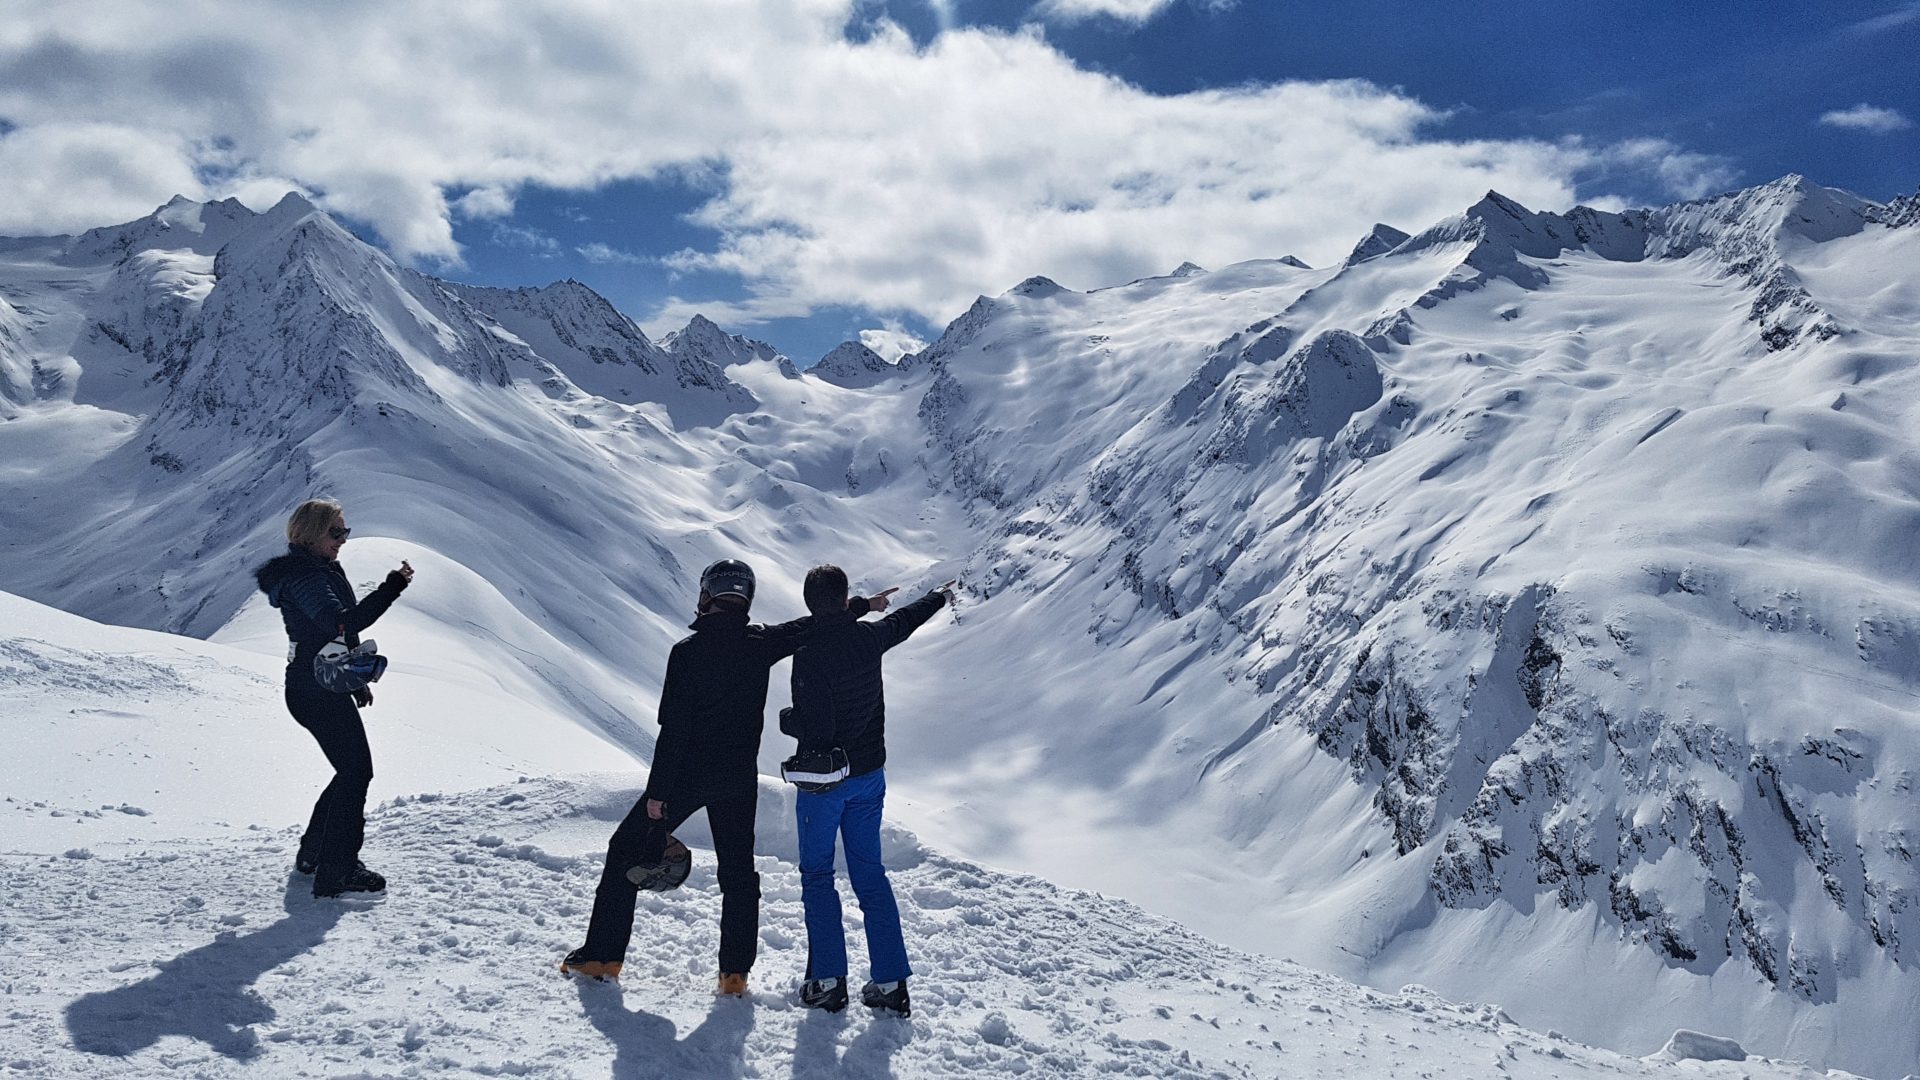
(1520, 607)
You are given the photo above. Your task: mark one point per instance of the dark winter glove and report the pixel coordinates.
(363, 697)
(396, 582)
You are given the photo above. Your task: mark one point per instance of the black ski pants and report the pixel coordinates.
(339, 822)
(640, 840)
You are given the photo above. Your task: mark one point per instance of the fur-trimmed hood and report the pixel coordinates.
(274, 574)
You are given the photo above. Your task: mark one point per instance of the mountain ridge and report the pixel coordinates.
(1473, 538)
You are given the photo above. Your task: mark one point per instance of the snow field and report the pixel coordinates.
(1574, 672)
(206, 957)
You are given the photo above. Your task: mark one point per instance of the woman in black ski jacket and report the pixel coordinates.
(317, 604)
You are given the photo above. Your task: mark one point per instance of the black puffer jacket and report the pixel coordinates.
(837, 695)
(713, 705)
(316, 602)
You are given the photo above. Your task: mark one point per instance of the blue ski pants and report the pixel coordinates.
(852, 811)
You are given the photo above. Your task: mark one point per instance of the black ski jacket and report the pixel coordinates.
(713, 705)
(837, 696)
(316, 601)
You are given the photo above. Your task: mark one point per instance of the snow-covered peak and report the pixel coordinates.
(1901, 211)
(181, 224)
(1293, 261)
(1187, 270)
(853, 364)
(1038, 287)
(1379, 240)
(1760, 218)
(703, 339)
(958, 334)
(602, 352)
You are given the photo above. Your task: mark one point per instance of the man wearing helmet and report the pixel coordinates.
(712, 709)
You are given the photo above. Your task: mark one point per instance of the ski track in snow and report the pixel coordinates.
(208, 958)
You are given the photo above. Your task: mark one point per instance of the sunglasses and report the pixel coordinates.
(339, 532)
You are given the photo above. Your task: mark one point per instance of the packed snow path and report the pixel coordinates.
(206, 957)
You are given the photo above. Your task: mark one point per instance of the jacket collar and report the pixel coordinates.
(719, 620)
(305, 554)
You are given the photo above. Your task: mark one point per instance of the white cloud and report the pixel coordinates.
(1136, 12)
(73, 175)
(891, 342)
(1868, 118)
(879, 174)
(485, 202)
(1679, 172)
(1891, 20)
(597, 252)
(526, 237)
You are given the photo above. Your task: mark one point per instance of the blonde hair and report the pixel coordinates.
(309, 524)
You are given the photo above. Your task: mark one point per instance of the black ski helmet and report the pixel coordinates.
(728, 577)
(675, 864)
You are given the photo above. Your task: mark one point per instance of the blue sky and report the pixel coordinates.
(805, 170)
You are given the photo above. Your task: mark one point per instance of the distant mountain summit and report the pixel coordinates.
(852, 364)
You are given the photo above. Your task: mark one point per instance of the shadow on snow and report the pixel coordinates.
(206, 994)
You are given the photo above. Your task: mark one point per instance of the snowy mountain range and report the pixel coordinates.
(1523, 608)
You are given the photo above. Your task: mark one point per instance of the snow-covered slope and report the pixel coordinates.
(1522, 607)
(153, 927)
(1566, 536)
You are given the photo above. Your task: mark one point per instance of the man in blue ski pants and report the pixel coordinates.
(839, 716)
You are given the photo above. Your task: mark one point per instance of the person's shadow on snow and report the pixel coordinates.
(206, 994)
(869, 1056)
(645, 1045)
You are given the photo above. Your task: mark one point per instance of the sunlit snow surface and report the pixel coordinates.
(164, 933)
(1526, 609)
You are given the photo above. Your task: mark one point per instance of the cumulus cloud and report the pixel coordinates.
(486, 202)
(891, 342)
(63, 176)
(880, 174)
(1869, 118)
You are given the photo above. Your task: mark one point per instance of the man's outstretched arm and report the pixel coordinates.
(900, 625)
(783, 639)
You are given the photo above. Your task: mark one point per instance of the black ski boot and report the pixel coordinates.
(305, 864)
(828, 994)
(357, 880)
(890, 997)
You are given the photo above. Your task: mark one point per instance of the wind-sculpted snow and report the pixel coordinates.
(1522, 607)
